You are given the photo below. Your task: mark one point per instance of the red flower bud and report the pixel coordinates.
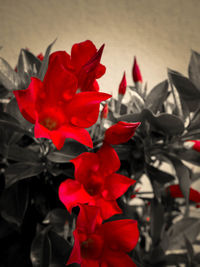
(137, 77)
(175, 192)
(120, 132)
(104, 112)
(196, 144)
(123, 85)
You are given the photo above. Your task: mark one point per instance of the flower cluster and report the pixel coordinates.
(61, 106)
(54, 105)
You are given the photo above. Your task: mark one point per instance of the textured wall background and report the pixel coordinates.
(161, 33)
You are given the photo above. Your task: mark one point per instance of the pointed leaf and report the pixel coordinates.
(14, 202)
(187, 227)
(186, 89)
(167, 123)
(41, 250)
(159, 176)
(194, 68)
(157, 96)
(70, 150)
(45, 62)
(157, 221)
(61, 249)
(19, 171)
(183, 175)
(8, 77)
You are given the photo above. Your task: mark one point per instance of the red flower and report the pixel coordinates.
(96, 182)
(104, 112)
(103, 245)
(84, 63)
(120, 132)
(55, 108)
(175, 192)
(137, 77)
(123, 85)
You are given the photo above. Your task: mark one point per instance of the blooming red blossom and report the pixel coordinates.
(55, 108)
(84, 62)
(123, 85)
(175, 192)
(96, 182)
(103, 245)
(137, 77)
(104, 112)
(120, 132)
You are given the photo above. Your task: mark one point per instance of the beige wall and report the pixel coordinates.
(160, 32)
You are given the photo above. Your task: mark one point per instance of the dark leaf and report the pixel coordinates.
(157, 96)
(61, 249)
(157, 221)
(195, 122)
(190, 156)
(8, 77)
(185, 228)
(13, 109)
(183, 175)
(18, 153)
(3, 91)
(70, 150)
(167, 123)
(45, 62)
(189, 249)
(136, 117)
(28, 66)
(19, 171)
(158, 175)
(14, 202)
(41, 250)
(194, 69)
(14, 127)
(186, 89)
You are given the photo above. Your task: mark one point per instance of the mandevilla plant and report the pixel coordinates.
(72, 161)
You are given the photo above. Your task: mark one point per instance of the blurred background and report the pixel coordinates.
(160, 33)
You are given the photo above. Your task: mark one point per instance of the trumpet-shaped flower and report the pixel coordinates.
(96, 182)
(105, 244)
(55, 108)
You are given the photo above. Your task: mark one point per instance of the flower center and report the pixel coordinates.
(49, 123)
(94, 185)
(92, 247)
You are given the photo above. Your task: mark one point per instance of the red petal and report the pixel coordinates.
(117, 259)
(85, 164)
(59, 83)
(40, 131)
(83, 109)
(108, 208)
(81, 53)
(88, 219)
(116, 185)
(89, 263)
(26, 99)
(121, 234)
(75, 256)
(79, 134)
(108, 159)
(123, 85)
(72, 193)
(104, 112)
(137, 77)
(101, 69)
(120, 132)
